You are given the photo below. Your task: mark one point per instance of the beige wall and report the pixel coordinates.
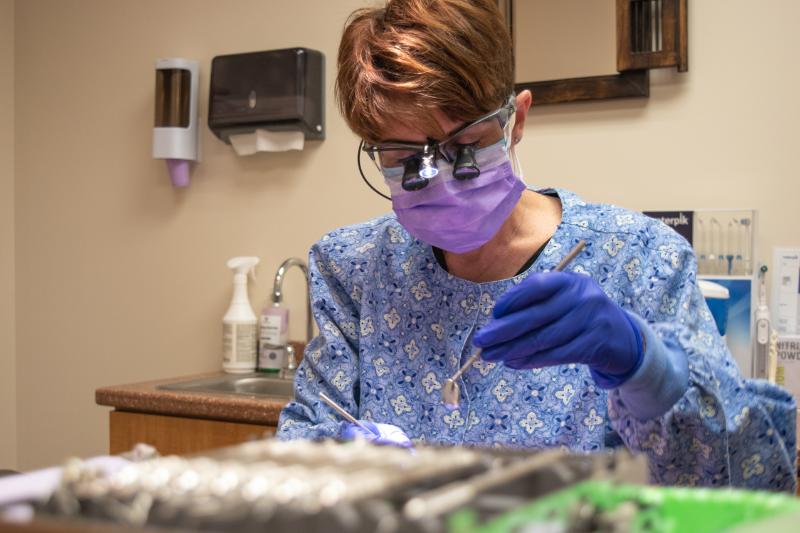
(121, 278)
(564, 39)
(8, 399)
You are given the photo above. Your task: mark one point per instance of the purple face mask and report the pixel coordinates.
(454, 215)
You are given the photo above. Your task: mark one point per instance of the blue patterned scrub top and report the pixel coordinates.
(394, 325)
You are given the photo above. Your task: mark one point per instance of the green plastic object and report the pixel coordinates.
(606, 506)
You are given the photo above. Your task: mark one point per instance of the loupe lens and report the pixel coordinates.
(412, 180)
(465, 167)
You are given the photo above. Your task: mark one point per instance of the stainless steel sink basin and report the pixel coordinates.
(239, 384)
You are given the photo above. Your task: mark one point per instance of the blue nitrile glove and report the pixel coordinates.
(386, 434)
(558, 318)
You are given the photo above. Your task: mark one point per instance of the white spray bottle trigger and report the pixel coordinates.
(243, 268)
(243, 265)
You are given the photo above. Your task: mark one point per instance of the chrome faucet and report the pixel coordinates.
(277, 297)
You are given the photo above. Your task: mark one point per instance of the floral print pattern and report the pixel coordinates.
(395, 325)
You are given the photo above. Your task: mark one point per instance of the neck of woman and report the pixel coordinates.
(531, 223)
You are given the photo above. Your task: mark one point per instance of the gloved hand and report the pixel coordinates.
(558, 318)
(386, 434)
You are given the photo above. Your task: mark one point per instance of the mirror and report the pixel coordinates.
(559, 39)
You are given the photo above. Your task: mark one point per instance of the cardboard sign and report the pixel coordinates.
(680, 221)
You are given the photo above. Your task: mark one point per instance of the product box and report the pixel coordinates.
(786, 290)
(788, 373)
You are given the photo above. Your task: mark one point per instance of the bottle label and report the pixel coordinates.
(271, 357)
(273, 330)
(239, 343)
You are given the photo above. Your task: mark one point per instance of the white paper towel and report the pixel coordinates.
(267, 141)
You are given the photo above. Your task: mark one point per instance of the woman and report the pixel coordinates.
(620, 348)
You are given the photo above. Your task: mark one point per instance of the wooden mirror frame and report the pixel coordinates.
(633, 78)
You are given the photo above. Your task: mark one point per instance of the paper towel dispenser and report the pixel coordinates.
(276, 90)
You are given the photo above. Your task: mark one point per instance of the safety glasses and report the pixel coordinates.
(419, 161)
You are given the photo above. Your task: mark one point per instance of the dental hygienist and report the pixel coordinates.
(619, 348)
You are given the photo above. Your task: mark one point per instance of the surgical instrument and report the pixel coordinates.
(344, 414)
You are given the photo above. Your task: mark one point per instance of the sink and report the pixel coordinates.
(254, 384)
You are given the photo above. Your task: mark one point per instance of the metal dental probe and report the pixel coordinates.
(344, 414)
(451, 394)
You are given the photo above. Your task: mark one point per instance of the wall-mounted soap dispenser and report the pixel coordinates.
(279, 93)
(175, 133)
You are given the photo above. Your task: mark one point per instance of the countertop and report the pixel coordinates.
(144, 397)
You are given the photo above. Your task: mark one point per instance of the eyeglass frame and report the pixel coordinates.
(372, 149)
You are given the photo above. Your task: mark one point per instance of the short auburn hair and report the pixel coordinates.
(402, 61)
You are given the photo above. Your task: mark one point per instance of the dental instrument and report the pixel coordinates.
(747, 226)
(731, 241)
(344, 414)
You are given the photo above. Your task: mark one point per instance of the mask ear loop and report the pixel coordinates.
(361, 171)
(512, 152)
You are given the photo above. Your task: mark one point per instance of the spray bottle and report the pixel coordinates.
(240, 323)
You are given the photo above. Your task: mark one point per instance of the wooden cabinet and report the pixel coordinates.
(176, 435)
(186, 421)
